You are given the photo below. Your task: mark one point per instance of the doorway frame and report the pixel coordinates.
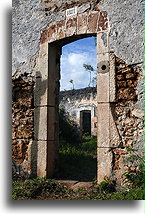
(53, 37)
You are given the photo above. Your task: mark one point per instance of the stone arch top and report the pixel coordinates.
(91, 22)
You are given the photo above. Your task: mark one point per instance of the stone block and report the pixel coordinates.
(93, 18)
(42, 62)
(41, 92)
(61, 30)
(52, 33)
(40, 123)
(71, 26)
(120, 77)
(113, 129)
(82, 21)
(102, 87)
(103, 124)
(103, 21)
(44, 36)
(42, 158)
(103, 61)
(102, 42)
(104, 163)
(112, 79)
(137, 113)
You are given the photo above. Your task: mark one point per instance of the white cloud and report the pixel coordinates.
(72, 68)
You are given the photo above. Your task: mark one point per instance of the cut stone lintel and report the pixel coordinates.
(88, 22)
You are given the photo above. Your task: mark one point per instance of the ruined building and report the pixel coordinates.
(40, 28)
(81, 107)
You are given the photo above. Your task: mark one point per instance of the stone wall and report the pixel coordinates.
(22, 120)
(128, 117)
(75, 101)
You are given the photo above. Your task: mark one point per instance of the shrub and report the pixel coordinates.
(135, 173)
(68, 129)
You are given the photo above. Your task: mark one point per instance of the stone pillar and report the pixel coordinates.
(46, 111)
(104, 153)
(39, 154)
(53, 108)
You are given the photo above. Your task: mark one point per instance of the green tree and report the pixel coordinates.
(72, 82)
(90, 69)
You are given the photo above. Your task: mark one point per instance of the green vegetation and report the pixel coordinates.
(46, 189)
(68, 129)
(77, 162)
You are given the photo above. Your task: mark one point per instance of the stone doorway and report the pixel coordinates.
(52, 39)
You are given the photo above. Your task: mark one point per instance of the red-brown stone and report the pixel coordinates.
(130, 76)
(93, 22)
(51, 30)
(61, 30)
(43, 36)
(103, 21)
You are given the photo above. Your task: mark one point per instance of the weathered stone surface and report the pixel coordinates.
(41, 68)
(104, 163)
(127, 94)
(71, 26)
(103, 87)
(114, 135)
(126, 16)
(103, 63)
(112, 79)
(41, 92)
(22, 117)
(137, 113)
(61, 30)
(93, 22)
(52, 32)
(40, 123)
(82, 23)
(102, 42)
(103, 111)
(103, 21)
(37, 23)
(42, 158)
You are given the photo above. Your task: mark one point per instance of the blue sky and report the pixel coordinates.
(74, 55)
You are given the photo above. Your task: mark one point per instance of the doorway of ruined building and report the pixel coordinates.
(85, 123)
(54, 76)
(46, 123)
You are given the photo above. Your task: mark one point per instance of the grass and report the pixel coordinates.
(46, 189)
(77, 162)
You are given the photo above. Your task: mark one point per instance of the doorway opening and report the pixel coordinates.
(77, 148)
(85, 122)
